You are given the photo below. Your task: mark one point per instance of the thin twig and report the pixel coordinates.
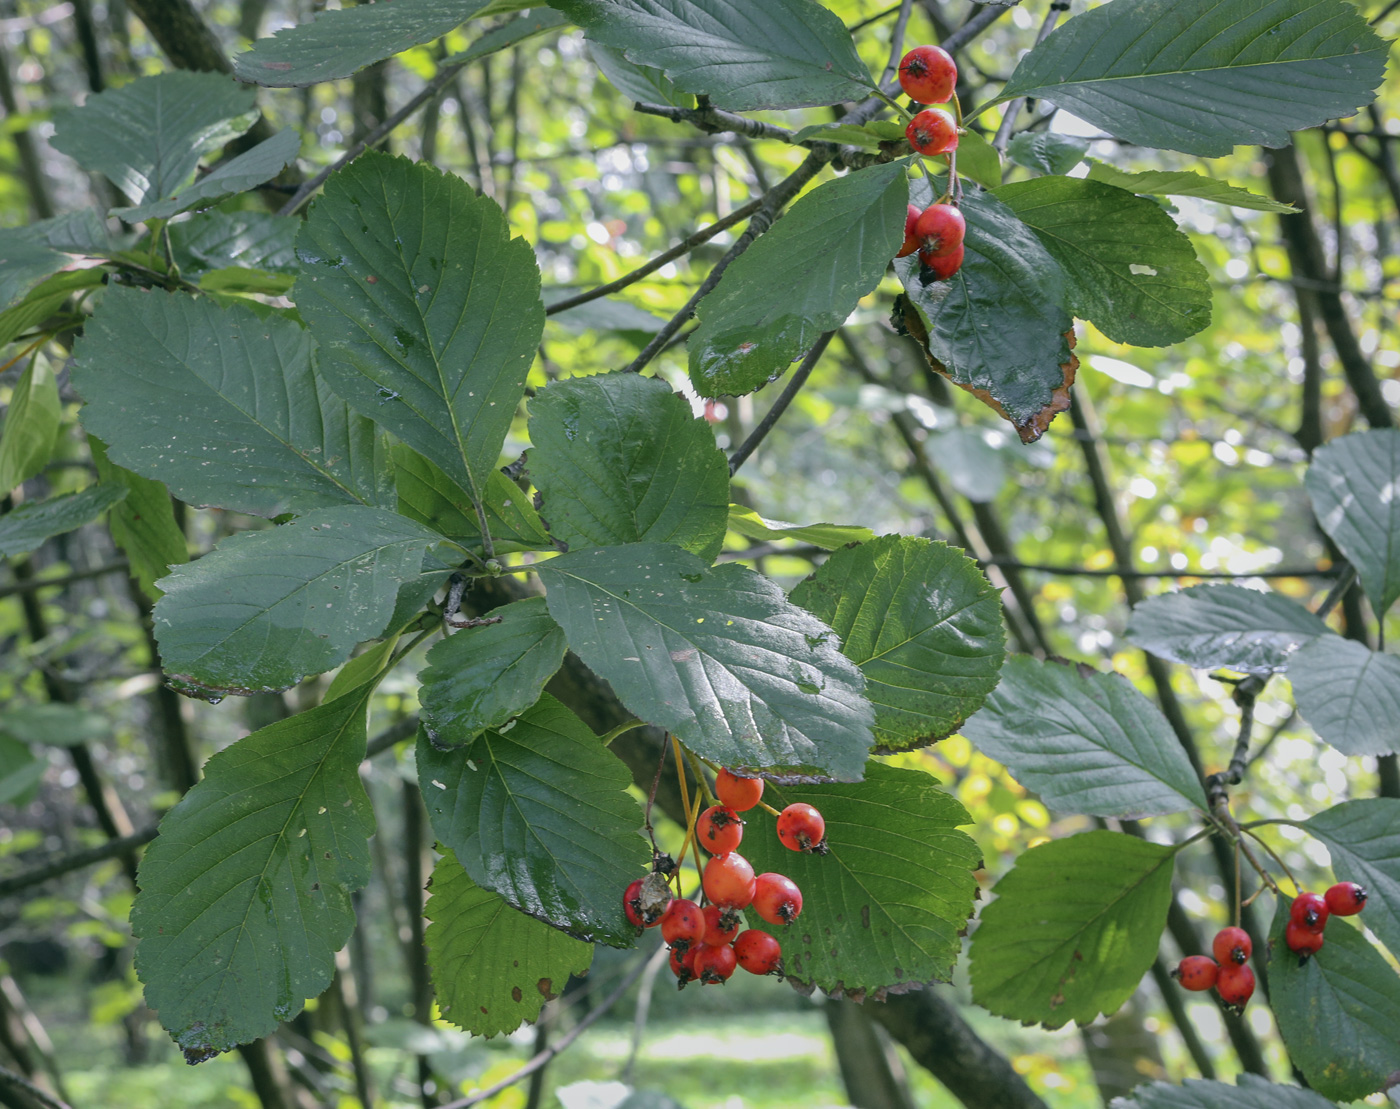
(33, 584)
(66, 864)
(1009, 113)
(653, 968)
(799, 379)
(1338, 591)
(897, 42)
(13, 1081)
(713, 121)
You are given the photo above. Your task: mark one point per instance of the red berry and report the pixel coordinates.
(801, 828)
(940, 230)
(683, 926)
(740, 794)
(942, 268)
(911, 241)
(1235, 985)
(1197, 972)
(645, 901)
(1302, 940)
(715, 964)
(932, 131)
(1232, 945)
(719, 830)
(927, 74)
(759, 953)
(729, 881)
(1310, 911)
(721, 925)
(683, 964)
(776, 898)
(1346, 899)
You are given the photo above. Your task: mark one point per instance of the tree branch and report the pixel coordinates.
(771, 417)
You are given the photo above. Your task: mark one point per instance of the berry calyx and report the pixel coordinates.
(776, 898)
(719, 829)
(740, 794)
(721, 925)
(1345, 899)
(932, 131)
(683, 965)
(1310, 911)
(928, 74)
(1302, 941)
(683, 926)
(801, 828)
(1232, 945)
(646, 900)
(714, 965)
(1235, 985)
(911, 241)
(940, 269)
(940, 230)
(729, 881)
(758, 952)
(1197, 972)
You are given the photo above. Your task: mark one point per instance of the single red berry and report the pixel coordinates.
(940, 269)
(940, 230)
(632, 904)
(911, 241)
(801, 828)
(1235, 985)
(683, 926)
(729, 881)
(776, 898)
(932, 131)
(721, 925)
(715, 964)
(1310, 910)
(1232, 945)
(645, 901)
(758, 952)
(928, 74)
(1346, 899)
(683, 964)
(719, 830)
(1302, 940)
(740, 794)
(1197, 972)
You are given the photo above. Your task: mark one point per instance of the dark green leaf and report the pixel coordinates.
(480, 677)
(1204, 76)
(1363, 838)
(1349, 693)
(619, 458)
(1130, 271)
(798, 280)
(778, 54)
(1252, 1092)
(253, 240)
(1073, 929)
(718, 656)
(492, 968)
(26, 528)
(1183, 183)
(31, 425)
(1046, 151)
(426, 311)
(142, 524)
(266, 608)
(241, 419)
(847, 134)
(638, 82)
(336, 44)
(245, 894)
(83, 231)
(1338, 1012)
(539, 813)
(1087, 743)
(751, 525)
(923, 625)
(429, 496)
(1352, 483)
(251, 168)
(1207, 626)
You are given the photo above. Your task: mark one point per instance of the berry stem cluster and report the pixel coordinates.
(928, 75)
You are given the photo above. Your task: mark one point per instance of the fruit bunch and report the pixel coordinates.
(706, 940)
(928, 75)
(1307, 917)
(937, 234)
(1228, 972)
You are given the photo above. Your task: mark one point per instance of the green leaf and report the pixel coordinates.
(619, 458)
(614, 314)
(426, 311)
(637, 82)
(847, 134)
(1087, 743)
(885, 909)
(336, 44)
(492, 968)
(1349, 693)
(1205, 76)
(1252, 1092)
(1338, 1012)
(242, 419)
(527, 26)
(31, 425)
(923, 625)
(828, 537)
(23, 265)
(1363, 838)
(251, 168)
(1073, 929)
(1131, 272)
(30, 254)
(142, 524)
(55, 724)
(1047, 152)
(999, 323)
(480, 677)
(540, 813)
(973, 467)
(45, 299)
(778, 54)
(718, 656)
(26, 528)
(1207, 626)
(1352, 483)
(267, 608)
(979, 160)
(247, 240)
(148, 136)
(20, 772)
(429, 496)
(767, 311)
(363, 668)
(245, 894)
(1183, 183)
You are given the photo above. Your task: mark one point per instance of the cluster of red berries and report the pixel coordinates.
(928, 75)
(706, 941)
(1227, 972)
(1307, 917)
(937, 234)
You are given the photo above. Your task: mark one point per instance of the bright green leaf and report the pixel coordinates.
(429, 496)
(1363, 838)
(639, 83)
(31, 425)
(1156, 182)
(20, 772)
(978, 159)
(142, 524)
(828, 537)
(363, 668)
(1352, 483)
(1349, 694)
(1046, 151)
(45, 299)
(26, 528)
(251, 168)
